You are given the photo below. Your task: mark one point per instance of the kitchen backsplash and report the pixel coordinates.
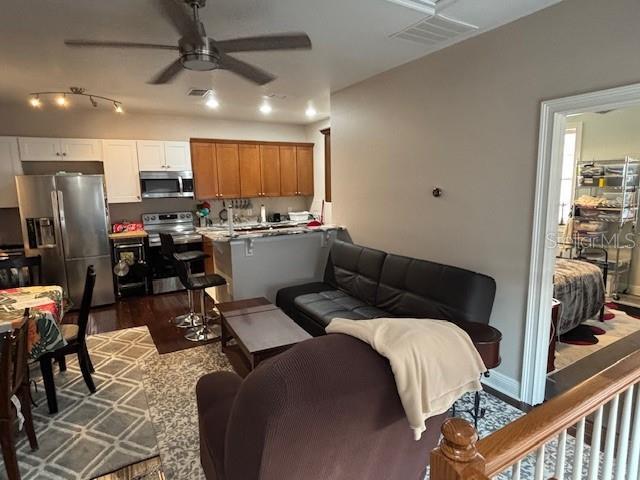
(133, 211)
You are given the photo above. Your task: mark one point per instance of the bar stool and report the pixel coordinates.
(168, 250)
(198, 282)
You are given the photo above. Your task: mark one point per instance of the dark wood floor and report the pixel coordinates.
(156, 312)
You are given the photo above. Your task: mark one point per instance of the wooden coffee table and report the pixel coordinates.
(260, 329)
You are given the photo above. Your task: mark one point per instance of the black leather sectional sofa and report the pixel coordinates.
(362, 283)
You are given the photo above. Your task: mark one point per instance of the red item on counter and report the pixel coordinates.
(127, 227)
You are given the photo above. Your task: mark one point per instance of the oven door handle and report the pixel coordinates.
(129, 245)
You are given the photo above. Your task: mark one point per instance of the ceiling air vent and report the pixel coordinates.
(198, 92)
(435, 30)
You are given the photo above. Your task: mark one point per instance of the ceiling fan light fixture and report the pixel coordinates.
(266, 108)
(199, 61)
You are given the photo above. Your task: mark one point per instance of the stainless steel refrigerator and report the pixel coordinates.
(65, 220)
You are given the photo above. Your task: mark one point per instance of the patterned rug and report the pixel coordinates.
(93, 434)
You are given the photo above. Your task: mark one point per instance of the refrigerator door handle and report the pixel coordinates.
(57, 222)
(63, 226)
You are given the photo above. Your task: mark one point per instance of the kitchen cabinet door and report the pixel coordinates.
(228, 169)
(121, 173)
(209, 264)
(81, 149)
(304, 165)
(205, 175)
(288, 171)
(35, 149)
(270, 170)
(250, 182)
(151, 156)
(9, 167)
(177, 156)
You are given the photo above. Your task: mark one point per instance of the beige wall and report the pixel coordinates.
(466, 119)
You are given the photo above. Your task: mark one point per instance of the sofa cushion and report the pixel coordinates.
(418, 288)
(355, 270)
(325, 306)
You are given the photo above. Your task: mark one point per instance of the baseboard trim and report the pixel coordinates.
(504, 384)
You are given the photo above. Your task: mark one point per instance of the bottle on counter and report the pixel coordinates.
(263, 214)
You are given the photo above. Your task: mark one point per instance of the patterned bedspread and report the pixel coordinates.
(580, 287)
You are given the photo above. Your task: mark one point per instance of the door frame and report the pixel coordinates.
(553, 119)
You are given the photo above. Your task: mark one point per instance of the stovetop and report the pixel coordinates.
(178, 224)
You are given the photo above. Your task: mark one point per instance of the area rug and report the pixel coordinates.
(170, 385)
(94, 434)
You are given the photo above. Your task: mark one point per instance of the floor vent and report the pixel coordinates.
(198, 92)
(435, 30)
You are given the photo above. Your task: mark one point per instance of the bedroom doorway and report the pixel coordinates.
(586, 210)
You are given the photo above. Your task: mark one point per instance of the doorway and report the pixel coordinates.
(554, 200)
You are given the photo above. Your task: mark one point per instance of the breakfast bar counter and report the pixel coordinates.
(258, 262)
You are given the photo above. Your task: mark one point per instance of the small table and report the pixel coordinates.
(46, 304)
(260, 329)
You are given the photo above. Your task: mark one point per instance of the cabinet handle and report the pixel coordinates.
(57, 154)
(64, 154)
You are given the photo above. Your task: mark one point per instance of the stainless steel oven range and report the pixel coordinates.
(180, 226)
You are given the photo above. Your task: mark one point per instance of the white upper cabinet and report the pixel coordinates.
(9, 168)
(158, 156)
(35, 149)
(81, 149)
(177, 156)
(151, 156)
(121, 172)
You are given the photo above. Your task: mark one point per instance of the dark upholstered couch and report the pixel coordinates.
(326, 409)
(362, 283)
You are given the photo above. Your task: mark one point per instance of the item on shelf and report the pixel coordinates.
(591, 170)
(298, 216)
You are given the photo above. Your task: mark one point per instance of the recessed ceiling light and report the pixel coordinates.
(266, 108)
(61, 100)
(310, 112)
(35, 102)
(212, 101)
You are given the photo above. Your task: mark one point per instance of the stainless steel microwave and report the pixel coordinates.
(166, 184)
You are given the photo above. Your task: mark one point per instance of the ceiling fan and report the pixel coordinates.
(201, 53)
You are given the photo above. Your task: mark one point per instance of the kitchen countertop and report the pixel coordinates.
(221, 233)
(125, 235)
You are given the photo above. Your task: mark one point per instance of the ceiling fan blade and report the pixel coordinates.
(181, 19)
(168, 74)
(251, 73)
(107, 44)
(281, 41)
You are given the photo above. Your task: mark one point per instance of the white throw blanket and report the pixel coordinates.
(434, 361)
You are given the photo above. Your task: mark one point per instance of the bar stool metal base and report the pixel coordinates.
(190, 320)
(203, 333)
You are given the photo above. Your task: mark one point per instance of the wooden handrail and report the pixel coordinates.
(519, 438)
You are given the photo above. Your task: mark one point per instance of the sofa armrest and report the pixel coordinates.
(215, 395)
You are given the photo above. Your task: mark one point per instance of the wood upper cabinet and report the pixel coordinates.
(228, 170)
(249, 169)
(250, 177)
(304, 165)
(205, 176)
(288, 171)
(270, 170)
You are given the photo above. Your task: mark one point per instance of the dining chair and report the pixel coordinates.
(75, 336)
(14, 380)
(12, 267)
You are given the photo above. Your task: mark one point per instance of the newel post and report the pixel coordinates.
(457, 457)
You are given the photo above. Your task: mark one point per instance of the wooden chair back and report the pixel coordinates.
(85, 306)
(13, 364)
(9, 279)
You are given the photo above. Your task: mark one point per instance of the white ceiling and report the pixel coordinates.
(350, 43)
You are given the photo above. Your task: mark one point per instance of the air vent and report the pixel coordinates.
(435, 30)
(198, 92)
(424, 6)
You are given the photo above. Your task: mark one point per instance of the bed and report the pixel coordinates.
(580, 287)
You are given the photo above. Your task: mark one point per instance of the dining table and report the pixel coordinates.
(46, 306)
